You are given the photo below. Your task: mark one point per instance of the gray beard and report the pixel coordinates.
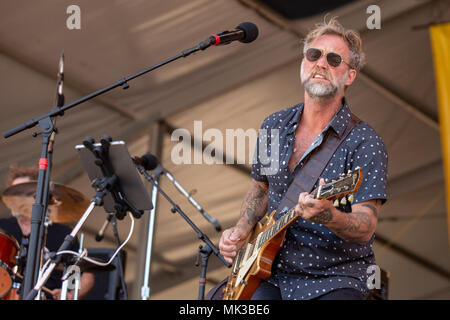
(321, 91)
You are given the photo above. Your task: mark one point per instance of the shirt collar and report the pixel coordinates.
(341, 119)
(338, 123)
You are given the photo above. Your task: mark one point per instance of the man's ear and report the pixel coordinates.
(351, 77)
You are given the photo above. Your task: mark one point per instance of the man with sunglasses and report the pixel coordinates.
(327, 252)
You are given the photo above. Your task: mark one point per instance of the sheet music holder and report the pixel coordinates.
(123, 167)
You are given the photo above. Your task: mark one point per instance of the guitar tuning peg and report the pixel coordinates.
(344, 201)
(336, 203)
(351, 198)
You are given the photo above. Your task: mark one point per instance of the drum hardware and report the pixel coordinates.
(18, 284)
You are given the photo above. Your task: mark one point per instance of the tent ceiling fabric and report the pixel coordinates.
(229, 87)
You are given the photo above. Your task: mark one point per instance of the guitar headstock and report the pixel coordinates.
(347, 184)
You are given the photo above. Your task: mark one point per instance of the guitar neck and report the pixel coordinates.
(344, 185)
(284, 221)
(288, 218)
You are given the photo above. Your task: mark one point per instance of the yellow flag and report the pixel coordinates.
(440, 43)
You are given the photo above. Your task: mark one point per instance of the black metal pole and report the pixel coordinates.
(119, 259)
(37, 212)
(204, 253)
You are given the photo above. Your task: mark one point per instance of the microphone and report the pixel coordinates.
(150, 162)
(147, 161)
(245, 32)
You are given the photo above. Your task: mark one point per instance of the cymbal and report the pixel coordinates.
(65, 204)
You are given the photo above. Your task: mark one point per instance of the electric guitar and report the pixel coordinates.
(254, 261)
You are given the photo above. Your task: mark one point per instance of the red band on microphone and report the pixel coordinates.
(217, 39)
(43, 163)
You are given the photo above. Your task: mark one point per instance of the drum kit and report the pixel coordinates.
(65, 205)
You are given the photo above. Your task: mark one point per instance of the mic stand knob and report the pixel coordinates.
(203, 253)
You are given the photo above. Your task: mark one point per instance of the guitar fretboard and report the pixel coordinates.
(276, 227)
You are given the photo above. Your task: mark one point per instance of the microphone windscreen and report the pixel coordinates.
(250, 31)
(149, 161)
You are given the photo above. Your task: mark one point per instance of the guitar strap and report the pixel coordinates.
(307, 175)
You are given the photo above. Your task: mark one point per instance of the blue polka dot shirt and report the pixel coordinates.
(313, 260)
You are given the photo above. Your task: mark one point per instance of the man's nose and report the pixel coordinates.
(322, 62)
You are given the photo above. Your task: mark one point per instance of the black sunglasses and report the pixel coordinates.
(333, 59)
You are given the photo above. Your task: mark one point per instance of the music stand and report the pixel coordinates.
(130, 189)
(129, 194)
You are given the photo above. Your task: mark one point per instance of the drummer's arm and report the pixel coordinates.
(86, 284)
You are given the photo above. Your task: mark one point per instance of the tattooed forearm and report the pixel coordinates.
(355, 227)
(322, 217)
(255, 204)
(357, 221)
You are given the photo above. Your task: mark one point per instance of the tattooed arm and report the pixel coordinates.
(357, 226)
(253, 209)
(254, 206)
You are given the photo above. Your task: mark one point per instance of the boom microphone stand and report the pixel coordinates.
(59, 102)
(204, 252)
